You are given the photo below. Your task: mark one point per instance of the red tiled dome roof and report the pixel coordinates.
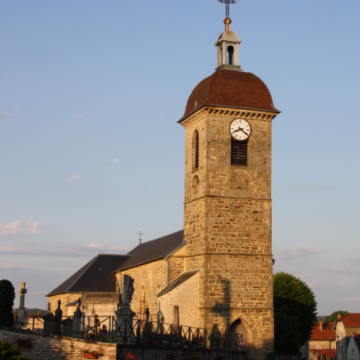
(231, 89)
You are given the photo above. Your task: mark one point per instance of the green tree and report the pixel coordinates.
(334, 315)
(7, 296)
(295, 312)
(9, 352)
(287, 338)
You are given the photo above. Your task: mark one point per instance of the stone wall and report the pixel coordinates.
(160, 353)
(177, 263)
(186, 297)
(62, 348)
(57, 348)
(101, 304)
(149, 279)
(65, 299)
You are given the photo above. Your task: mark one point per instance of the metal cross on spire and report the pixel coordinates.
(228, 2)
(140, 233)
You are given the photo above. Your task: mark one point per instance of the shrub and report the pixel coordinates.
(9, 352)
(7, 296)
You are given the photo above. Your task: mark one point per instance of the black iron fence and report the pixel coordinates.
(139, 332)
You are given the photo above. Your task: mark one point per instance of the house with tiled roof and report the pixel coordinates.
(353, 349)
(322, 343)
(345, 327)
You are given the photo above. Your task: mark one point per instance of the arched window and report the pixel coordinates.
(239, 152)
(230, 55)
(196, 150)
(176, 315)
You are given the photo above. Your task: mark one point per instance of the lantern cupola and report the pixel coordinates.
(228, 49)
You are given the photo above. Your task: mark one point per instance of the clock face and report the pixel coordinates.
(240, 129)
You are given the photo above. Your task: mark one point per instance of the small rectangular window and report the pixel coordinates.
(239, 152)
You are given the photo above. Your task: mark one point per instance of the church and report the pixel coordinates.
(217, 271)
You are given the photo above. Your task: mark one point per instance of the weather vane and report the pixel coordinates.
(227, 2)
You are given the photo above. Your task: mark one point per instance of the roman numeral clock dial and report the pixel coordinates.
(240, 129)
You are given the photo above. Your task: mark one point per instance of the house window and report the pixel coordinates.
(239, 152)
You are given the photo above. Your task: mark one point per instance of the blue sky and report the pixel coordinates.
(91, 153)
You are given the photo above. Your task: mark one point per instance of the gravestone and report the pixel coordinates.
(77, 318)
(21, 312)
(68, 327)
(49, 324)
(124, 316)
(160, 321)
(58, 317)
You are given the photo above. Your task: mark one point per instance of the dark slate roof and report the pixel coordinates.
(95, 276)
(153, 250)
(230, 89)
(178, 281)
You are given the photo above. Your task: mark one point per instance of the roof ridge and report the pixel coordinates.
(147, 242)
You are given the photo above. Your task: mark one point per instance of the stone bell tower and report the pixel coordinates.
(227, 211)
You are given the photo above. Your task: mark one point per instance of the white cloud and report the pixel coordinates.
(7, 266)
(75, 178)
(77, 117)
(4, 114)
(4, 117)
(69, 250)
(92, 245)
(295, 253)
(20, 227)
(116, 161)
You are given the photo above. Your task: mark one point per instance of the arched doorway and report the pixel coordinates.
(237, 327)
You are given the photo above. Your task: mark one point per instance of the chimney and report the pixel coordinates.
(321, 324)
(339, 315)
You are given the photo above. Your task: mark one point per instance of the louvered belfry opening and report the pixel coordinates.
(196, 165)
(239, 152)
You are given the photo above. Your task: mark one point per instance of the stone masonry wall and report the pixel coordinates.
(65, 299)
(186, 297)
(227, 225)
(176, 267)
(62, 348)
(144, 353)
(101, 304)
(57, 348)
(151, 279)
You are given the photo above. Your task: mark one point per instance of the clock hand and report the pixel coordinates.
(244, 132)
(237, 130)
